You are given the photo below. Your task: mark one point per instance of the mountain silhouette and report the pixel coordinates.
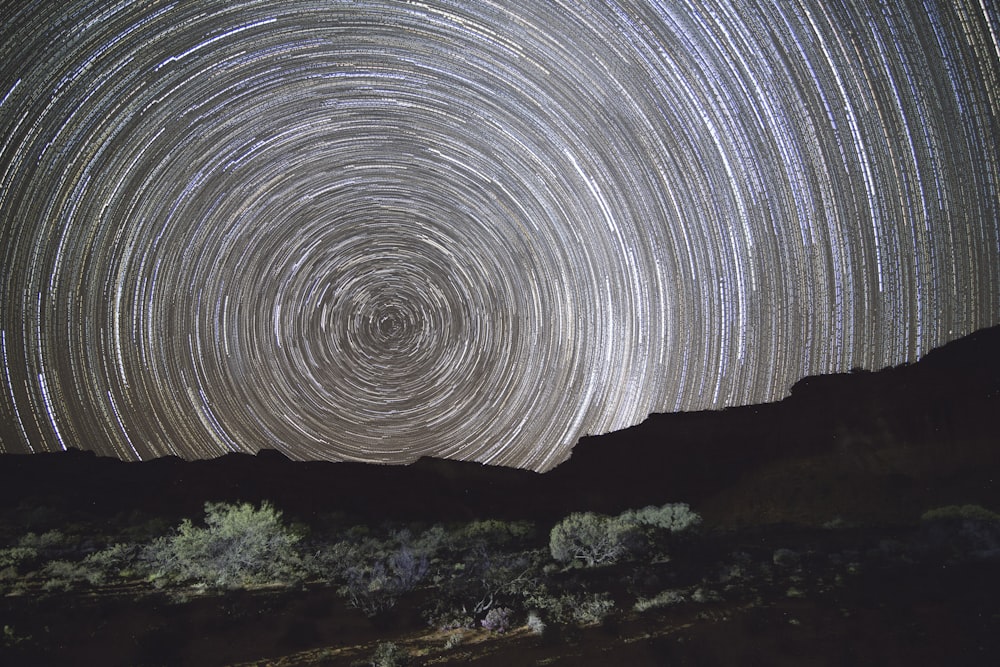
(864, 446)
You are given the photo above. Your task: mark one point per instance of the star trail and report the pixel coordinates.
(378, 230)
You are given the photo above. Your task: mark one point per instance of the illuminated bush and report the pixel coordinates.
(596, 539)
(239, 545)
(569, 608)
(61, 575)
(498, 620)
(535, 623)
(388, 654)
(592, 538)
(118, 561)
(672, 517)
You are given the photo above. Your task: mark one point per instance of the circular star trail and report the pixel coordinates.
(375, 231)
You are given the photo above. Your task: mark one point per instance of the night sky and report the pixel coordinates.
(380, 230)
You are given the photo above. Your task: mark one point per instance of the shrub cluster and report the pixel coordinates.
(498, 619)
(570, 608)
(239, 545)
(374, 582)
(388, 654)
(596, 539)
(485, 573)
(481, 567)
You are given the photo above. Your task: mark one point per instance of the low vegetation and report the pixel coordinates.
(594, 539)
(239, 545)
(486, 576)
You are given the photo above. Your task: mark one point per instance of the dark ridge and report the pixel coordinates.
(869, 445)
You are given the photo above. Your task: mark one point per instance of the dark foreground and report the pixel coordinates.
(924, 595)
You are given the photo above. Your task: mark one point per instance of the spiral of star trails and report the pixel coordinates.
(378, 230)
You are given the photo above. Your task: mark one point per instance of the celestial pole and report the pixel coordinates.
(379, 230)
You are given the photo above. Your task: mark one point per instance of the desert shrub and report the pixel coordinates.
(664, 599)
(52, 540)
(239, 545)
(498, 619)
(371, 589)
(374, 583)
(655, 528)
(483, 578)
(535, 623)
(374, 572)
(554, 608)
(61, 575)
(10, 580)
(360, 546)
(427, 543)
(16, 557)
(592, 609)
(444, 617)
(46, 552)
(489, 577)
(672, 517)
(454, 640)
(591, 538)
(388, 654)
(571, 609)
(408, 566)
(118, 561)
(702, 595)
(595, 539)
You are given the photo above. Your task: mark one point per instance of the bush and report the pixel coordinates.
(61, 575)
(672, 517)
(117, 561)
(535, 624)
(664, 599)
(592, 609)
(15, 557)
(453, 640)
(588, 537)
(34, 548)
(374, 572)
(374, 584)
(388, 654)
(51, 541)
(239, 545)
(567, 608)
(595, 539)
(482, 578)
(497, 619)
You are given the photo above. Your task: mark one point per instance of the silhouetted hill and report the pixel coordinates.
(863, 445)
(877, 445)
